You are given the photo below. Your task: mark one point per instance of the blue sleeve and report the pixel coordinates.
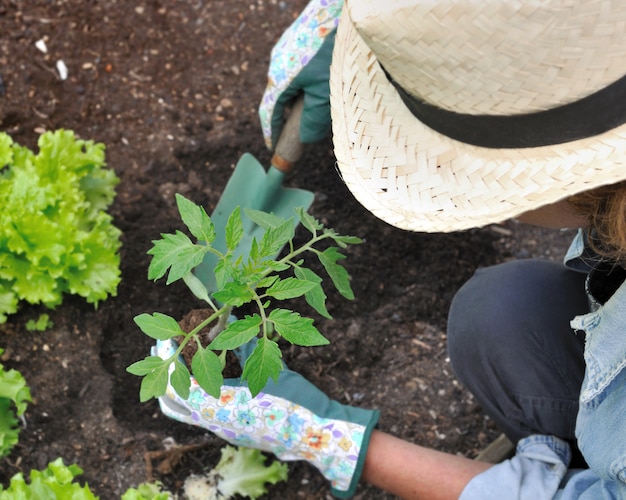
(539, 471)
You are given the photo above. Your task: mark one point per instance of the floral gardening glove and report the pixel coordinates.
(292, 419)
(300, 62)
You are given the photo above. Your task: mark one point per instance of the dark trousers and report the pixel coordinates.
(512, 346)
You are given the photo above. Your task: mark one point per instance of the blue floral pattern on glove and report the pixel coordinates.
(293, 51)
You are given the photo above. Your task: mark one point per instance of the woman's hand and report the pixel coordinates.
(300, 63)
(291, 418)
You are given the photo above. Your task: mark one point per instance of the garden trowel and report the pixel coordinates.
(251, 186)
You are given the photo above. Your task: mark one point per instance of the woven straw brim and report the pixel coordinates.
(417, 179)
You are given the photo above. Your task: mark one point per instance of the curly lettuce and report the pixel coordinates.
(55, 234)
(147, 491)
(14, 398)
(56, 482)
(240, 471)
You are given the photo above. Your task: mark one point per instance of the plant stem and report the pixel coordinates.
(294, 253)
(221, 323)
(259, 304)
(222, 314)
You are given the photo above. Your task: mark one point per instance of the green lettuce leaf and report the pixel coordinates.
(56, 482)
(14, 398)
(240, 472)
(55, 234)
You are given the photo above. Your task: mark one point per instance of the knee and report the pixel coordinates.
(501, 312)
(470, 326)
(488, 313)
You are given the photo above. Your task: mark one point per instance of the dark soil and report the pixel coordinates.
(172, 88)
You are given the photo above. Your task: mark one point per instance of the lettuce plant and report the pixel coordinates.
(257, 279)
(147, 491)
(55, 234)
(55, 482)
(14, 398)
(240, 471)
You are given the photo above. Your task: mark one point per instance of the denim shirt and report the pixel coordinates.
(539, 468)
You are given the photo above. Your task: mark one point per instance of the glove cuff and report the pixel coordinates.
(370, 418)
(331, 436)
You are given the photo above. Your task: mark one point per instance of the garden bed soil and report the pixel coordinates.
(171, 89)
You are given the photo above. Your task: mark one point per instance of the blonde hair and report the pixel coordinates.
(605, 209)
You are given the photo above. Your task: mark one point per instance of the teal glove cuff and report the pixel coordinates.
(290, 418)
(349, 427)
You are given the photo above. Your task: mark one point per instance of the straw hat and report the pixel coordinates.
(484, 109)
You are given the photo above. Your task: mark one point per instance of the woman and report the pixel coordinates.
(447, 116)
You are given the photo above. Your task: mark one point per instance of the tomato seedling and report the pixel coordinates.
(257, 278)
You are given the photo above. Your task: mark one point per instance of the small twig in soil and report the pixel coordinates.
(169, 458)
(421, 344)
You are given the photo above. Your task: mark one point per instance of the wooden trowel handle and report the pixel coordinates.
(289, 148)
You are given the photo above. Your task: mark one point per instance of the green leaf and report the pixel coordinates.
(154, 383)
(147, 491)
(53, 483)
(36, 285)
(344, 241)
(308, 221)
(97, 186)
(146, 365)
(242, 473)
(181, 379)
(263, 363)
(296, 329)
(275, 238)
(207, 369)
(266, 282)
(237, 333)
(289, 288)
(13, 387)
(264, 219)
(275, 266)
(197, 287)
(41, 324)
(9, 428)
(196, 219)
(233, 232)
(223, 273)
(14, 398)
(6, 154)
(158, 326)
(8, 303)
(234, 294)
(253, 253)
(337, 273)
(315, 297)
(176, 252)
(251, 275)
